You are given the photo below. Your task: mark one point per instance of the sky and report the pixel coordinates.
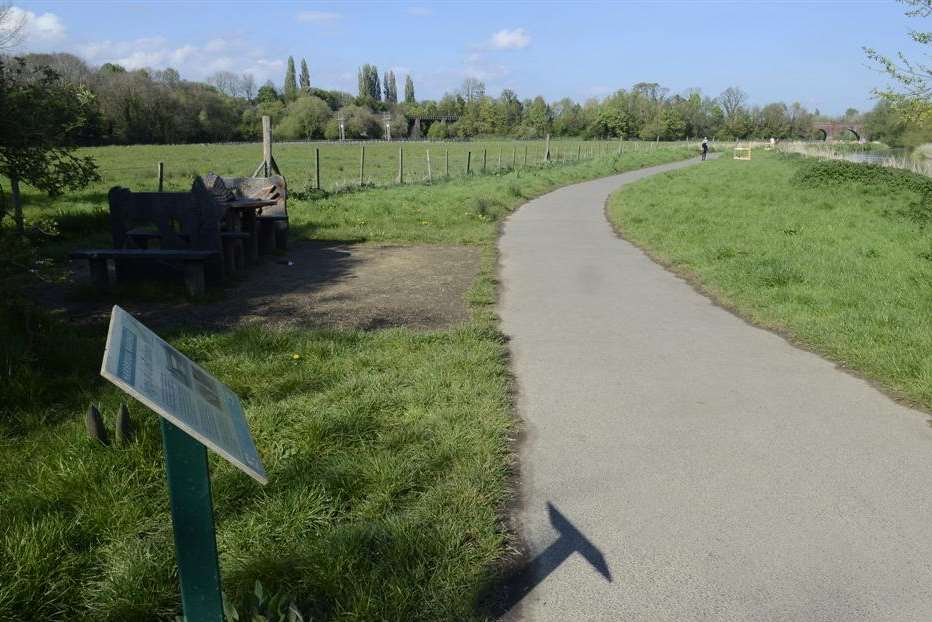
(809, 52)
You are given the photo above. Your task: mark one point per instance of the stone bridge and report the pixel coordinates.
(834, 130)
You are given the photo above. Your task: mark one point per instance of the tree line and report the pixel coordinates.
(158, 106)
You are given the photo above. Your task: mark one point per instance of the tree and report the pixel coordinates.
(914, 78)
(247, 86)
(305, 78)
(39, 141)
(369, 87)
(391, 88)
(11, 27)
(291, 86)
(267, 93)
(731, 100)
(306, 118)
(472, 90)
(409, 90)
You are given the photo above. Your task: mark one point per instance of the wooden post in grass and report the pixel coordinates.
(514, 158)
(547, 149)
(578, 152)
(161, 174)
(429, 176)
(362, 165)
(446, 162)
(484, 154)
(266, 145)
(317, 167)
(499, 159)
(401, 165)
(468, 161)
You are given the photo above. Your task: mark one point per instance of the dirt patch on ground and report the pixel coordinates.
(314, 285)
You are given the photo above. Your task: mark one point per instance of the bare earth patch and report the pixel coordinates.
(342, 286)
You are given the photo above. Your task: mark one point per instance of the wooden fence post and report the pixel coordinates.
(468, 161)
(429, 176)
(499, 159)
(547, 149)
(267, 145)
(161, 174)
(401, 165)
(317, 167)
(362, 165)
(514, 158)
(578, 152)
(483, 159)
(446, 162)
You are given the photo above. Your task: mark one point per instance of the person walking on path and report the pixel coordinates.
(705, 147)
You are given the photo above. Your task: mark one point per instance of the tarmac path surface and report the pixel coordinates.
(680, 464)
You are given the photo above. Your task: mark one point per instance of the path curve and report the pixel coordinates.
(680, 464)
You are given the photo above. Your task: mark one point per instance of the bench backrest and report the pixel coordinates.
(184, 220)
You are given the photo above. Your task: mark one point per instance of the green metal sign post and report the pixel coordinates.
(197, 412)
(193, 521)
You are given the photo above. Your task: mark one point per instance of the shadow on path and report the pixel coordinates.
(522, 580)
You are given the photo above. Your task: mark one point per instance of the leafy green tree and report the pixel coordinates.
(390, 88)
(409, 90)
(290, 90)
(913, 95)
(267, 94)
(370, 90)
(305, 78)
(305, 118)
(42, 116)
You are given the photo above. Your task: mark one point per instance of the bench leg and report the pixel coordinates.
(100, 276)
(229, 256)
(194, 278)
(239, 254)
(266, 237)
(281, 236)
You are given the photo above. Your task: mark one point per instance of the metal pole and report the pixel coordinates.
(193, 520)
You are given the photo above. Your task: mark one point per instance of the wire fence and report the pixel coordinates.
(333, 167)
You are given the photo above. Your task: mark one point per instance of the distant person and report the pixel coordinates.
(705, 147)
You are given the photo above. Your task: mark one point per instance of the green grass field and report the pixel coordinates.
(388, 451)
(840, 260)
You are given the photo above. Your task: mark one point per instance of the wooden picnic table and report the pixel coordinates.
(244, 212)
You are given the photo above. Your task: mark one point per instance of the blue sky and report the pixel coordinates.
(791, 51)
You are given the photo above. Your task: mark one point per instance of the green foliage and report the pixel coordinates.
(409, 91)
(262, 607)
(369, 88)
(305, 79)
(290, 89)
(305, 118)
(842, 172)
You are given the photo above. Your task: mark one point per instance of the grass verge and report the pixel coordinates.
(838, 256)
(388, 451)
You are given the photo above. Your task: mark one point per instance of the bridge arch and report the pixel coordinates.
(820, 134)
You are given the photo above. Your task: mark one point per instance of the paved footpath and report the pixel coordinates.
(679, 464)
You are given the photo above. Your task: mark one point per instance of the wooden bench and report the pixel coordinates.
(193, 262)
(273, 221)
(186, 226)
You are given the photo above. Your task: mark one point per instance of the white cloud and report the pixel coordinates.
(318, 16)
(35, 28)
(514, 39)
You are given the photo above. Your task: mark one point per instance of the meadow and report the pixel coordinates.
(835, 255)
(389, 452)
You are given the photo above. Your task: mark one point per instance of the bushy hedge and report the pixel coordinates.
(833, 172)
